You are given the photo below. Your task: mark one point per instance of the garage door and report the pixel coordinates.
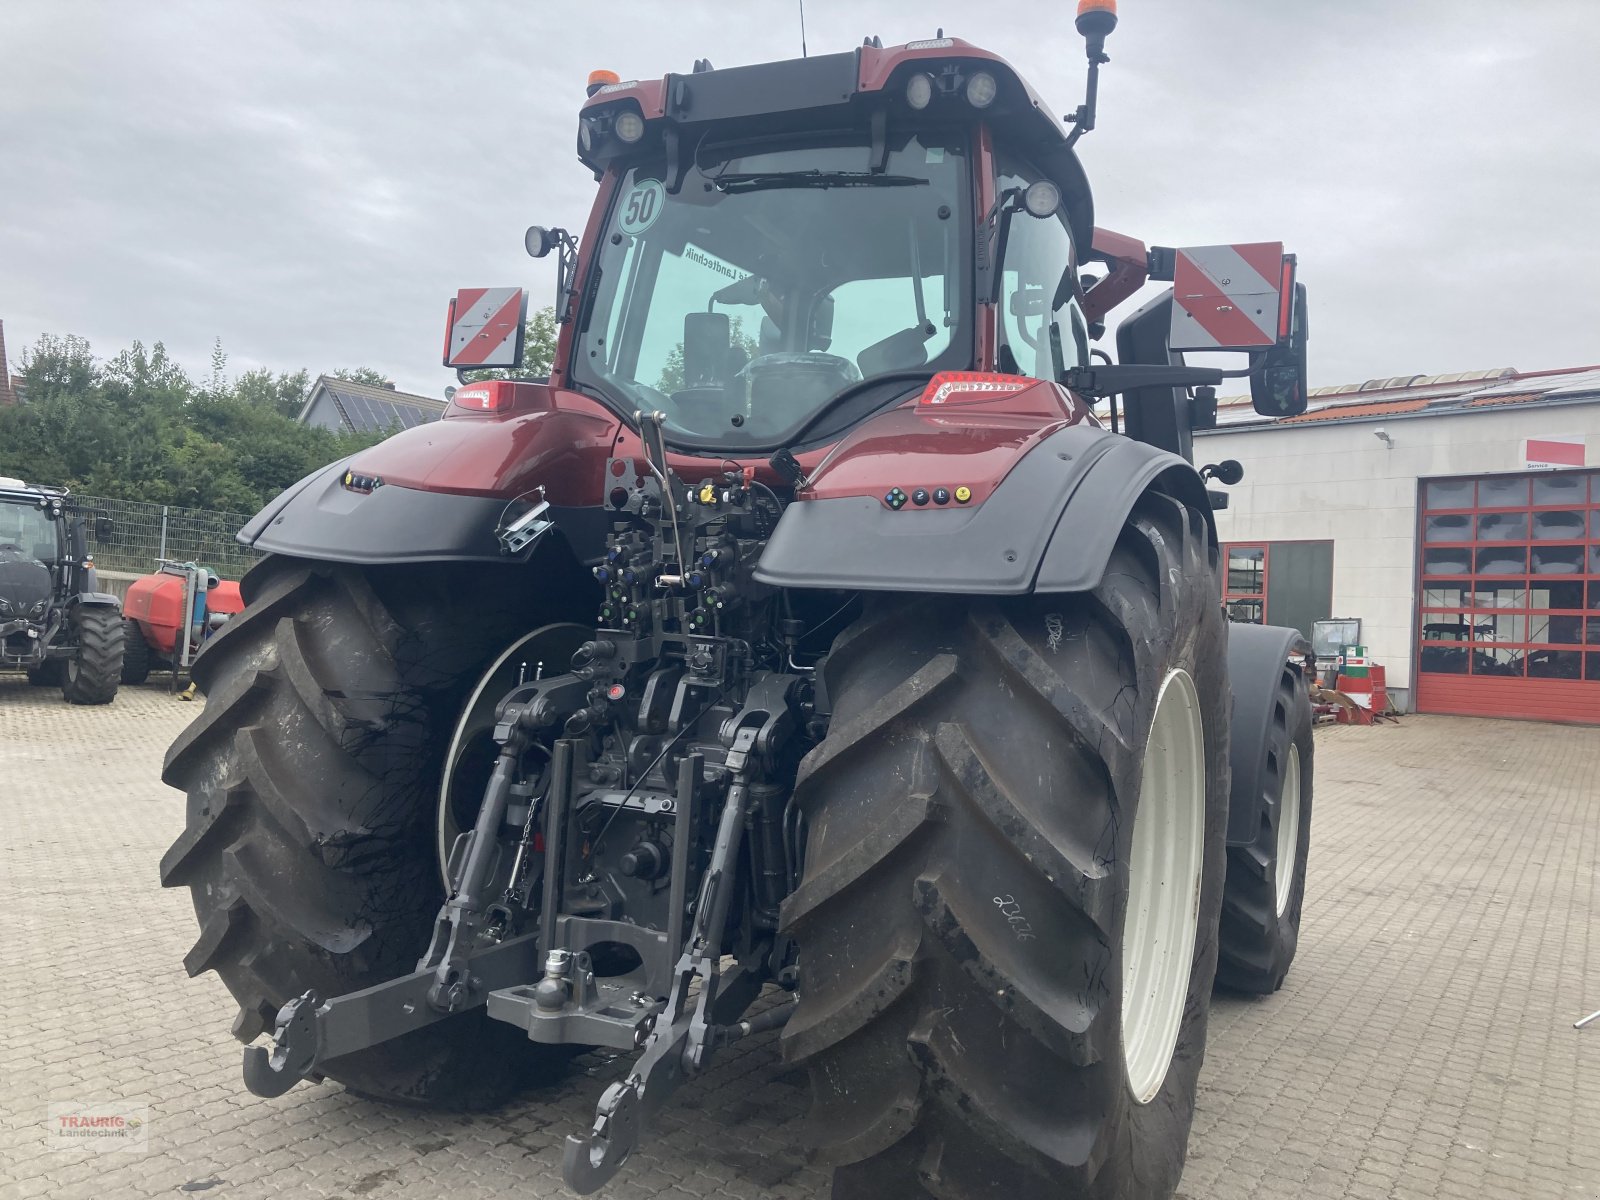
(1509, 596)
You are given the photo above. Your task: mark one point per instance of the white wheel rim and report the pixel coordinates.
(1288, 829)
(506, 669)
(1163, 914)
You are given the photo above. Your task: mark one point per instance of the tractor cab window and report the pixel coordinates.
(777, 283)
(27, 529)
(1041, 328)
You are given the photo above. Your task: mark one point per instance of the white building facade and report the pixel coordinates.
(1456, 517)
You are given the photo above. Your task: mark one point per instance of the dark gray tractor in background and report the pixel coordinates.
(53, 623)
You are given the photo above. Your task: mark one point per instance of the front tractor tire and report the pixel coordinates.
(1008, 916)
(93, 672)
(312, 779)
(1261, 905)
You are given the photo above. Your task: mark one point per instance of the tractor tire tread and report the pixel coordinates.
(948, 1057)
(331, 887)
(98, 661)
(1257, 943)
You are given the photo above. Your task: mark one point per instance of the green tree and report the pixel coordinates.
(58, 364)
(364, 375)
(285, 394)
(137, 427)
(538, 350)
(219, 369)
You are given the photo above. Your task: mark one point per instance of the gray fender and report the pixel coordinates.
(320, 518)
(96, 600)
(1049, 527)
(1256, 658)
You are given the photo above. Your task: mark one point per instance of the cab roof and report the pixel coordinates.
(860, 89)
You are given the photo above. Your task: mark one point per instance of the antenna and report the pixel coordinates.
(803, 53)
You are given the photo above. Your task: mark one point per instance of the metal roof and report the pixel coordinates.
(1346, 411)
(1424, 395)
(1507, 398)
(364, 408)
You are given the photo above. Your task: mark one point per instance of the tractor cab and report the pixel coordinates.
(53, 623)
(30, 546)
(781, 290)
(779, 251)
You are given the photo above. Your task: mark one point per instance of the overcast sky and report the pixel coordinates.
(311, 182)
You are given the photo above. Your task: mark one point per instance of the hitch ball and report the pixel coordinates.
(551, 992)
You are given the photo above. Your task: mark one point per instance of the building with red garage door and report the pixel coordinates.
(1458, 516)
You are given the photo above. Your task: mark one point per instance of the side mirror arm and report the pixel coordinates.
(1114, 379)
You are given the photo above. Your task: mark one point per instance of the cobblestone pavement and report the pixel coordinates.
(1423, 1046)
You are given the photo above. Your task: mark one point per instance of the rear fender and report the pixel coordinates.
(438, 492)
(1257, 655)
(1049, 526)
(96, 600)
(323, 517)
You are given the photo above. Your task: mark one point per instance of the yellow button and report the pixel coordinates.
(963, 494)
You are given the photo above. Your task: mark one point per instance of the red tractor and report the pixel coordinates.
(168, 615)
(804, 653)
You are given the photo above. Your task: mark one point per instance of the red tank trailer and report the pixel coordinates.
(158, 636)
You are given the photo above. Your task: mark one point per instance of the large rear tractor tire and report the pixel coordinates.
(1266, 888)
(135, 652)
(1008, 914)
(312, 779)
(91, 675)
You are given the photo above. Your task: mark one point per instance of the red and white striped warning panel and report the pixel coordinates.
(486, 327)
(1226, 297)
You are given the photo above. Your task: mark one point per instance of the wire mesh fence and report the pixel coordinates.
(143, 533)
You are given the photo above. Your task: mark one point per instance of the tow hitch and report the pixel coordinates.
(310, 1030)
(553, 994)
(685, 1034)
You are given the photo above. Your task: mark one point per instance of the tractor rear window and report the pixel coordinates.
(775, 284)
